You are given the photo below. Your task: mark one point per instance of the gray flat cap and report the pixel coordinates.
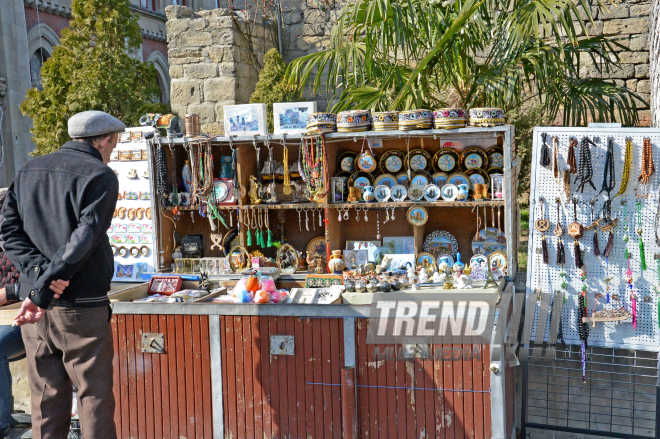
(94, 123)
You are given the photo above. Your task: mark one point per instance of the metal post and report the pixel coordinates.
(348, 398)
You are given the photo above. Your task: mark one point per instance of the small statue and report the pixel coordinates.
(449, 283)
(438, 277)
(298, 191)
(360, 270)
(464, 282)
(423, 277)
(318, 266)
(269, 193)
(255, 190)
(186, 176)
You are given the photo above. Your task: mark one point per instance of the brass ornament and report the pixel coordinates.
(542, 225)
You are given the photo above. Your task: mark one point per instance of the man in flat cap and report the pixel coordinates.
(57, 212)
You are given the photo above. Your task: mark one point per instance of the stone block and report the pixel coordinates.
(201, 71)
(220, 12)
(582, 14)
(634, 57)
(640, 10)
(174, 12)
(642, 71)
(198, 24)
(646, 98)
(206, 112)
(631, 84)
(320, 4)
(639, 42)
(620, 82)
(625, 71)
(220, 109)
(216, 128)
(292, 17)
(627, 26)
(180, 111)
(184, 52)
(176, 72)
(185, 92)
(220, 89)
(644, 118)
(219, 54)
(177, 26)
(223, 36)
(184, 61)
(227, 69)
(194, 38)
(221, 22)
(644, 86)
(620, 10)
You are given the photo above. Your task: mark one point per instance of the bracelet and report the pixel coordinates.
(135, 252)
(122, 251)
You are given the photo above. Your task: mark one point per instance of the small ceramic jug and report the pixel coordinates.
(336, 263)
(368, 194)
(462, 192)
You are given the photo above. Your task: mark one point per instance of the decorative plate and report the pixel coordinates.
(417, 216)
(478, 259)
(441, 243)
(440, 178)
(316, 247)
(425, 260)
(445, 259)
(415, 192)
(239, 262)
(431, 192)
(497, 260)
(221, 191)
(445, 160)
(449, 192)
(399, 193)
(366, 161)
(382, 193)
(495, 157)
(360, 179)
(388, 180)
(459, 178)
(346, 161)
(402, 178)
(392, 161)
(421, 178)
(419, 160)
(478, 176)
(473, 158)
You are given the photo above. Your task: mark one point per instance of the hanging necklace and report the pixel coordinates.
(377, 225)
(640, 231)
(595, 242)
(575, 230)
(542, 225)
(559, 232)
(248, 233)
(545, 151)
(555, 159)
(570, 158)
(313, 168)
(286, 185)
(585, 169)
(626, 168)
(583, 327)
(647, 166)
(162, 188)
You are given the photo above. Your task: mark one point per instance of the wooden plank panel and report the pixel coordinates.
(411, 415)
(308, 364)
(448, 378)
(324, 337)
(319, 408)
(292, 379)
(275, 393)
(265, 376)
(139, 368)
(230, 367)
(115, 373)
(198, 421)
(420, 401)
(173, 379)
(299, 368)
(401, 400)
(165, 379)
(181, 375)
(336, 342)
(438, 383)
(459, 418)
(247, 377)
(206, 377)
(257, 367)
(283, 376)
(361, 378)
(486, 383)
(123, 376)
(477, 383)
(240, 376)
(189, 377)
(429, 396)
(468, 397)
(372, 382)
(225, 391)
(132, 377)
(392, 413)
(381, 381)
(155, 377)
(148, 378)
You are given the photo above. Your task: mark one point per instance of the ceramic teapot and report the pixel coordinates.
(368, 194)
(462, 192)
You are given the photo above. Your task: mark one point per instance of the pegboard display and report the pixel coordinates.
(547, 277)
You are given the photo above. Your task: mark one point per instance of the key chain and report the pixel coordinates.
(392, 213)
(306, 220)
(387, 214)
(269, 233)
(339, 214)
(346, 209)
(365, 209)
(377, 225)
(640, 231)
(357, 213)
(299, 210)
(320, 214)
(313, 209)
(559, 232)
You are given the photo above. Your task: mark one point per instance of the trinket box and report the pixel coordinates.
(323, 122)
(353, 121)
(486, 117)
(449, 118)
(415, 120)
(165, 285)
(385, 120)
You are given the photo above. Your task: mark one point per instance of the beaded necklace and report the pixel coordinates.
(582, 327)
(545, 151)
(559, 232)
(585, 169)
(648, 168)
(570, 158)
(626, 168)
(162, 186)
(313, 169)
(640, 231)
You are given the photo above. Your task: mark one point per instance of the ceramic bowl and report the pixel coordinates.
(356, 120)
(321, 118)
(486, 117)
(415, 120)
(385, 120)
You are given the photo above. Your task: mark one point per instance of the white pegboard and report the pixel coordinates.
(547, 277)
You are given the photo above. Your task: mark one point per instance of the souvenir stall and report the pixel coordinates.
(292, 233)
(594, 273)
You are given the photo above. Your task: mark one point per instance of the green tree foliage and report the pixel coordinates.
(404, 54)
(271, 87)
(92, 69)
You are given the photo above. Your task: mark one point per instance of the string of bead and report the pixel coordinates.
(648, 168)
(585, 169)
(626, 168)
(545, 151)
(570, 158)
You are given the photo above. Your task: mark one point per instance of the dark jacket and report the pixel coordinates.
(57, 212)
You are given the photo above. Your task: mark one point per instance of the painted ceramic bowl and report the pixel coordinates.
(449, 118)
(351, 121)
(486, 117)
(385, 120)
(415, 120)
(323, 122)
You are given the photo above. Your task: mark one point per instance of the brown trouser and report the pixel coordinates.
(71, 344)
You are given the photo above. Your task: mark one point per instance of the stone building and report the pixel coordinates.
(29, 29)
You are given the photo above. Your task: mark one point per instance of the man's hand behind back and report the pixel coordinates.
(31, 313)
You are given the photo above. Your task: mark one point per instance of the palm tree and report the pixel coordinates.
(404, 54)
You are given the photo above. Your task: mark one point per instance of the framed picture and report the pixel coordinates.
(291, 117)
(355, 258)
(245, 120)
(124, 137)
(370, 246)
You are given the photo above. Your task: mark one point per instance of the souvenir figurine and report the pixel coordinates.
(319, 268)
(462, 192)
(186, 176)
(423, 276)
(464, 282)
(255, 191)
(438, 277)
(270, 194)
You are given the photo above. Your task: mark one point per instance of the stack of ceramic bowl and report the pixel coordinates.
(415, 120)
(353, 121)
(449, 118)
(486, 117)
(385, 121)
(322, 122)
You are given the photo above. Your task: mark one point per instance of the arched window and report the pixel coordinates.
(162, 74)
(36, 61)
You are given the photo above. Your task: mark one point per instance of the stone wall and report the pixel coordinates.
(210, 63)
